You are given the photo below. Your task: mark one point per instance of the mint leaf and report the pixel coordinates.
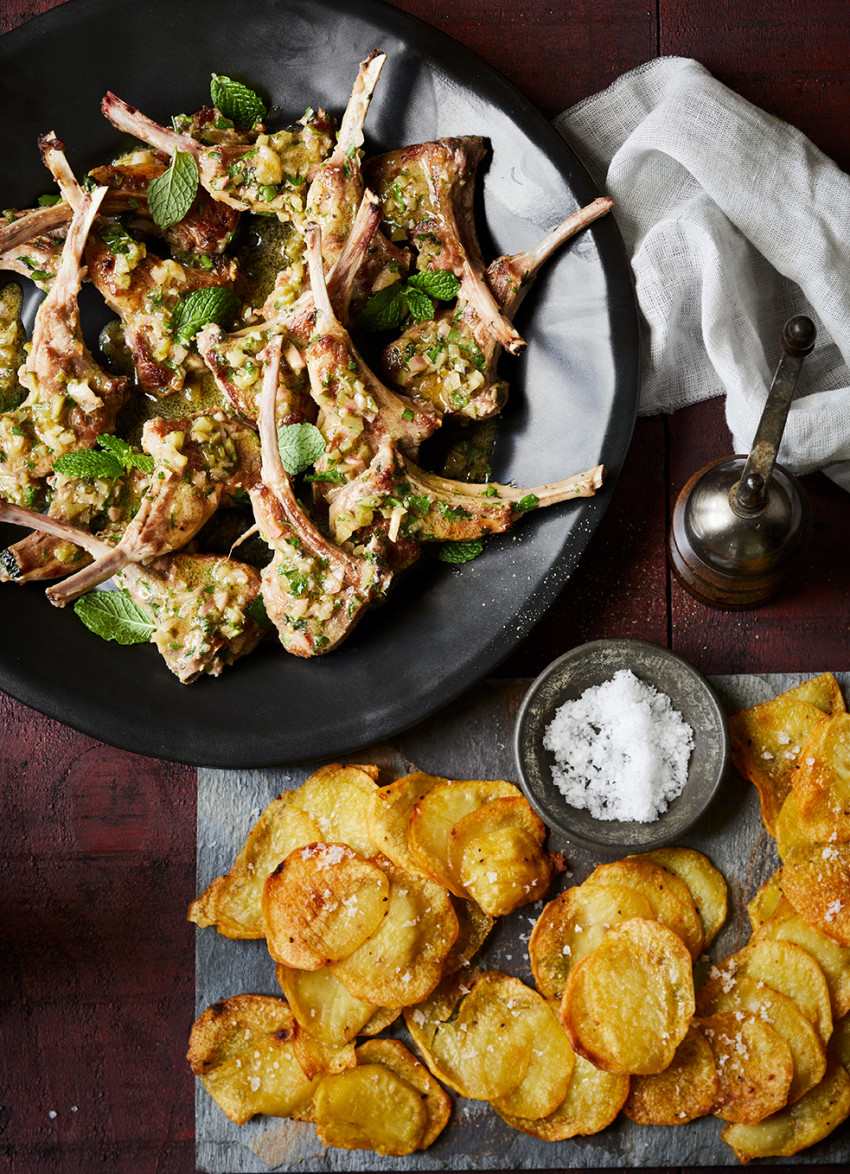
(384, 310)
(236, 101)
(123, 452)
(256, 610)
(459, 552)
(116, 238)
(437, 283)
(88, 464)
(48, 201)
(197, 309)
(420, 305)
(170, 195)
(300, 446)
(330, 475)
(113, 615)
(529, 502)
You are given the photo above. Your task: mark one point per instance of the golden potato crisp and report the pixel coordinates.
(816, 880)
(740, 993)
(370, 1108)
(550, 1066)
(322, 1005)
(766, 901)
(495, 855)
(822, 781)
(321, 903)
(627, 1006)
(754, 1066)
(593, 1100)
(315, 1057)
(242, 1050)
(402, 962)
(685, 1090)
(389, 812)
(573, 925)
(336, 798)
(705, 884)
(233, 903)
(823, 691)
(789, 832)
(785, 924)
(790, 969)
(474, 926)
(394, 1055)
(434, 816)
(668, 897)
(798, 1126)
(766, 741)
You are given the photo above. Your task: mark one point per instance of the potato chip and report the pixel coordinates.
(786, 924)
(370, 1108)
(475, 1038)
(402, 962)
(668, 897)
(816, 880)
(322, 1006)
(336, 797)
(474, 925)
(382, 1019)
(766, 742)
(627, 1006)
(316, 1057)
(242, 1049)
(573, 925)
(233, 903)
(790, 969)
(705, 884)
(800, 1125)
(435, 815)
(593, 1100)
(754, 1066)
(789, 832)
(823, 691)
(321, 904)
(394, 1055)
(685, 1090)
(495, 855)
(389, 812)
(766, 901)
(739, 992)
(822, 781)
(550, 1066)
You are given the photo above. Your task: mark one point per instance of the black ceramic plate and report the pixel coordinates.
(574, 391)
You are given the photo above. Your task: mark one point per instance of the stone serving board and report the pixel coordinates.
(472, 739)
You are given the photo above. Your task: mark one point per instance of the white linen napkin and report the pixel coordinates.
(734, 221)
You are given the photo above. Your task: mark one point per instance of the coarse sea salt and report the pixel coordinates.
(621, 750)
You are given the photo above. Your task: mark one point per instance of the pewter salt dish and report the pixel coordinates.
(566, 679)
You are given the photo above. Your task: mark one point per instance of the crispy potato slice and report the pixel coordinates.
(754, 1066)
(550, 1067)
(766, 742)
(823, 691)
(789, 833)
(370, 1108)
(816, 880)
(573, 925)
(392, 1054)
(790, 969)
(321, 904)
(402, 962)
(822, 781)
(389, 812)
(383, 1017)
(705, 884)
(593, 1100)
(685, 1090)
(233, 903)
(627, 1006)
(739, 992)
(799, 1126)
(475, 1038)
(785, 924)
(336, 798)
(434, 816)
(242, 1049)
(317, 1058)
(474, 925)
(766, 901)
(668, 897)
(495, 855)
(322, 1006)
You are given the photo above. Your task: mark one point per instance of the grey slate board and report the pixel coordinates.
(472, 739)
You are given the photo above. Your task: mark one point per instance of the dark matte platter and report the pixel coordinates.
(574, 392)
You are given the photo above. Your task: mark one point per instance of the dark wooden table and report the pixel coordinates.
(97, 866)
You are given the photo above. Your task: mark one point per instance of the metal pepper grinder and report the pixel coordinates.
(741, 523)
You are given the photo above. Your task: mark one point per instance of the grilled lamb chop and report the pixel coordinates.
(451, 361)
(314, 592)
(427, 192)
(199, 461)
(71, 399)
(31, 242)
(430, 508)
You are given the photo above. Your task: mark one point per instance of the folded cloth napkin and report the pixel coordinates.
(734, 222)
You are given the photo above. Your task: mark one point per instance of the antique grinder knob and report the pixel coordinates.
(740, 523)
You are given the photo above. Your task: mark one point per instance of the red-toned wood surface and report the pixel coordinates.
(97, 866)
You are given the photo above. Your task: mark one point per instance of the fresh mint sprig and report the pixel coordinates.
(171, 194)
(194, 311)
(415, 297)
(459, 552)
(112, 459)
(235, 101)
(300, 446)
(113, 615)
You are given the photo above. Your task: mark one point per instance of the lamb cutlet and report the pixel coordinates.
(429, 508)
(71, 399)
(314, 592)
(427, 192)
(199, 462)
(199, 605)
(32, 240)
(451, 361)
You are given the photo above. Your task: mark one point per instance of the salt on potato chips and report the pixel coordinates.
(684, 1091)
(754, 1065)
(822, 781)
(816, 880)
(668, 896)
(705, 884)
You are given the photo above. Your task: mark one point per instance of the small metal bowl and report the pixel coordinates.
(592, 664)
